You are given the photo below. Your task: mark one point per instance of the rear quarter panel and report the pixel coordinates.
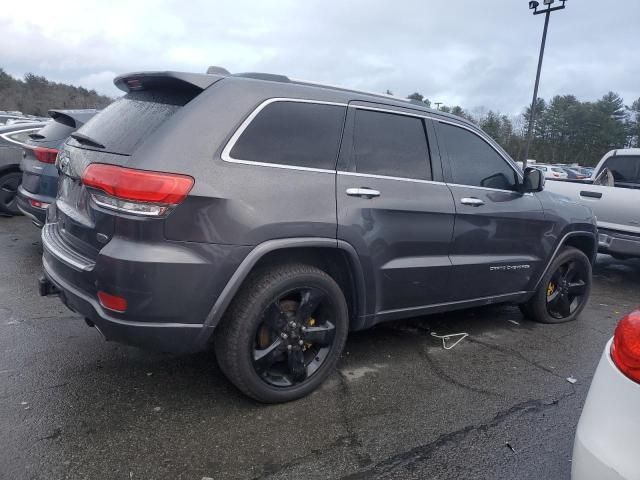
(233, 203)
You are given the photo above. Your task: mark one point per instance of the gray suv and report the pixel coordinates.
(269, 217)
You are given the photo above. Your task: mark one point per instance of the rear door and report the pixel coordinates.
(498, 238)
(394, 209)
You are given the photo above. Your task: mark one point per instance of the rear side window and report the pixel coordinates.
(126, 123)
(625, 168)
(474, 162)
(391, 145)
(293, 133)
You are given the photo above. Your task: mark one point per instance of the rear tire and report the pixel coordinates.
(563, 291)
(9, 183)
(283, 333)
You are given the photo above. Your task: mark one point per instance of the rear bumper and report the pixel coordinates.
(610, 241)
(37, 215)
(170, 287)
(166, 337)
(605, 447)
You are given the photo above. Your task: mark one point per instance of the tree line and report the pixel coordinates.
(566, 130)
(35, 95)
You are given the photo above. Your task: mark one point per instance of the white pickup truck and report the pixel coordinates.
(613, 193)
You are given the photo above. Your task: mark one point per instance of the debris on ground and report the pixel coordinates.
(514, 322)
(572, 380)
(510, 447)
(449, 338)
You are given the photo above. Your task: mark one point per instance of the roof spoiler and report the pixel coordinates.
(72, 118)
(136, 81)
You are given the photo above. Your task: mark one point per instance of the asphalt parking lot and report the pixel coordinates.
(497, 406)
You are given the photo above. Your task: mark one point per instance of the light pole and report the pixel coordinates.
(547, 11)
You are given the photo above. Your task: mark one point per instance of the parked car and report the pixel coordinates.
(613, 193)
(270, 217)
(574, 173)
(552, 172)
(39, 173)
(606, 444)
(12, 140)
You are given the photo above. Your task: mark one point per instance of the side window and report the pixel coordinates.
(293, 133)
(390, 144)
(474, 162)
(624, 168)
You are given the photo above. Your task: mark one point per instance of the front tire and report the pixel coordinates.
(563, 291)
(283, 333)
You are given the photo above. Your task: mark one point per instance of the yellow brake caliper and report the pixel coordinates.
(310, 323)
(550, 289)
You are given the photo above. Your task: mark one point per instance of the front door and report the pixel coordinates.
(498, 237)
(393, 211)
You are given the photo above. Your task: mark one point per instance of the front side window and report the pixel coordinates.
(391, 145)
(293, 133)
(474, 162)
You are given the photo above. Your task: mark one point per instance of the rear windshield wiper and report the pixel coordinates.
(86, 140)
(36, 136)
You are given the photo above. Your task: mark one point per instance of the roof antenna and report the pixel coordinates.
(213, 70)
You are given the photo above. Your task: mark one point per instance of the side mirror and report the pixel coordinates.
(533, 181)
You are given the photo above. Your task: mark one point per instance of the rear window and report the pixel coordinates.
(21, 136)
(53, 131)
(625, 168)
(126, 123)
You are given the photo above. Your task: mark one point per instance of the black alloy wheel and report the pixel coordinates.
(566, 289)
(295, 337)
(283, 334)
(563, 291)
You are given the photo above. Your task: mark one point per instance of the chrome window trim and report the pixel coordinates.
(386, 177)
(5, 136)
(487, 188)
(226, 152)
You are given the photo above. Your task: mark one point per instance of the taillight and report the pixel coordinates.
(134, 191)
(625, 350)
(45, 155)
(38, 204)
(112, 302)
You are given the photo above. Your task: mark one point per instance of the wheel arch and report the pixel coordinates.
(584, 241)
(337, 258)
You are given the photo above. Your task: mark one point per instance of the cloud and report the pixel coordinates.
(466, 52)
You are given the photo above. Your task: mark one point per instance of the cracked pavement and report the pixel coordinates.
(497, 406)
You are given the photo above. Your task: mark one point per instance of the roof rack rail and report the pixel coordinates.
(271, 77)
(345, 89)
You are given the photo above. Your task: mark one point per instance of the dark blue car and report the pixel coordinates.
(39, 173)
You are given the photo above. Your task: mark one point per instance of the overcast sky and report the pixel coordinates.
(471, 53)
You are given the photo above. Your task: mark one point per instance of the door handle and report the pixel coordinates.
(363, 192)
(587, 193)
(472, 201)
